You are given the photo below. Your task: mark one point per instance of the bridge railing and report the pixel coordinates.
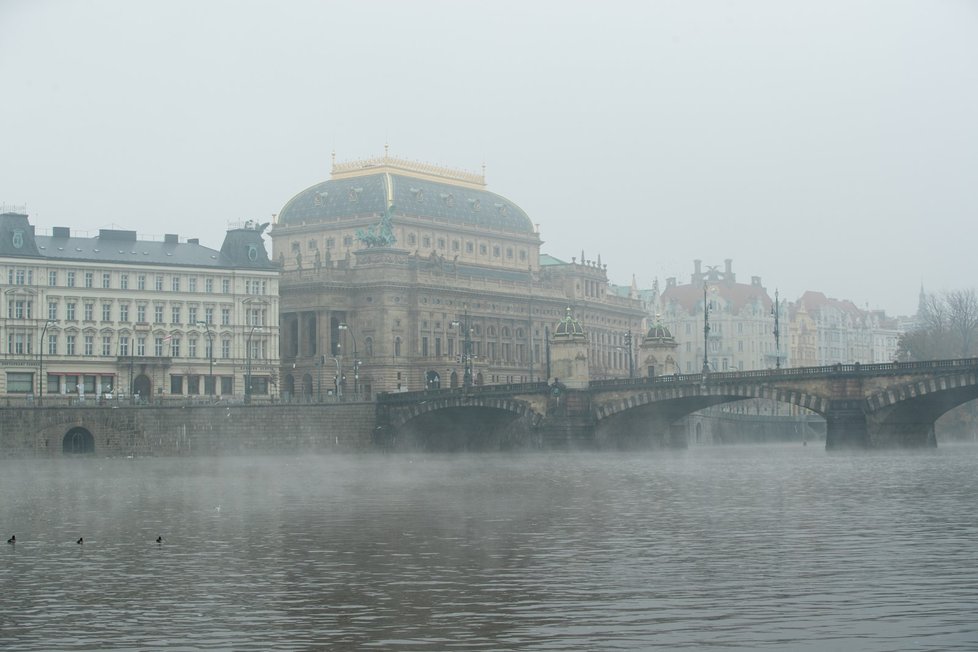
(507, 389)
(876, 369)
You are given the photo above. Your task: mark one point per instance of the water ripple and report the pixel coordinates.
(761, 547)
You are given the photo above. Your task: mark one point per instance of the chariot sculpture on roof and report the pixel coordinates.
(381, 234)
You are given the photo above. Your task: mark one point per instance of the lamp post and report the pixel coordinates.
(210, 355)
(336, 378)
(40, 362)
(356, 361)
(546, 346)
(132, 346)
(529, 314)
(320, 361)
(254, 329)
(706, 332)
(631, 358)
(776, 311)
(466, 347)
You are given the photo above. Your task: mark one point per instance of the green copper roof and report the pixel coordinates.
(367, 196)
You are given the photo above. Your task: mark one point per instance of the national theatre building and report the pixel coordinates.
(399, 276)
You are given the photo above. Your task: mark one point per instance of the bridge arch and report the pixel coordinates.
(942, 393)
(906, 414)
(456, 423)
(687, 399)
(402, 415)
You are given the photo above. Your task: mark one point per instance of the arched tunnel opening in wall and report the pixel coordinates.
(456, 429)
(78, 441)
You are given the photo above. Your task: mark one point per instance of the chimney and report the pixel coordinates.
(729, 276)
(61, 232)
(697, 264)
(195, 241)
(171, 238)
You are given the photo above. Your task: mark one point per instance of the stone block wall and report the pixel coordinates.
(189, 430)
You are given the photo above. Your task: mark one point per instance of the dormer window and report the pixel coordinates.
(353, 194)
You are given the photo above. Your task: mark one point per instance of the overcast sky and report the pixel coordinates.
(821, 145)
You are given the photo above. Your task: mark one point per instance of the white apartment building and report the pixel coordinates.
(112, 316)
(740, 317)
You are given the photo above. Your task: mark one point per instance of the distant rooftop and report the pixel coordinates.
(547, 259)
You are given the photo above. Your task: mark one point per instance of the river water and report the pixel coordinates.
(778, 547)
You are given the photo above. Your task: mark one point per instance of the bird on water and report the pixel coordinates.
(12, 540)
(80, 541)
(159, 539)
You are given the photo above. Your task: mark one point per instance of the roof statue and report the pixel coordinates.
(384, 234)
(254, 224)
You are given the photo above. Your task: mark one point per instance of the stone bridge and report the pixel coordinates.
(865, 406)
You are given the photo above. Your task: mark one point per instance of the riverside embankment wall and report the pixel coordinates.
(186, 430)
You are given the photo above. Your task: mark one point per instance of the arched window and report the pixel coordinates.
(368, 347)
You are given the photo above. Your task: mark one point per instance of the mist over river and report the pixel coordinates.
(779, 547)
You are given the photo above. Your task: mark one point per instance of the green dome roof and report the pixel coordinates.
(369, 195)
(659, 334)
(569, 328)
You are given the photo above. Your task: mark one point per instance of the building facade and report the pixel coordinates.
(402, 276)
(113, 316)
(831, 331)
(741, 322)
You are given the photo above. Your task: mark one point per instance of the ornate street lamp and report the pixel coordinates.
(356, 361)
(336, 379)
(320, 361)
(631, 357)
(777, 331)
(254, 329)
(40, 362)
(706, 332)
(210, 355)
(466, 347)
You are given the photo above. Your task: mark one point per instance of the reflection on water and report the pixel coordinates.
(777, 547)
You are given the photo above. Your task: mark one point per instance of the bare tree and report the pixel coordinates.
(962, 313)
(933, 315)
(947, 327)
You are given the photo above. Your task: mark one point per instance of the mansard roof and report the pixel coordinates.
(243, 248)
(737, 295)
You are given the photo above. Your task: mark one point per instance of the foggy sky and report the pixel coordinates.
(821, 145)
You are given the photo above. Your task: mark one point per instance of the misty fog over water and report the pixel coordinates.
(752, 547)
